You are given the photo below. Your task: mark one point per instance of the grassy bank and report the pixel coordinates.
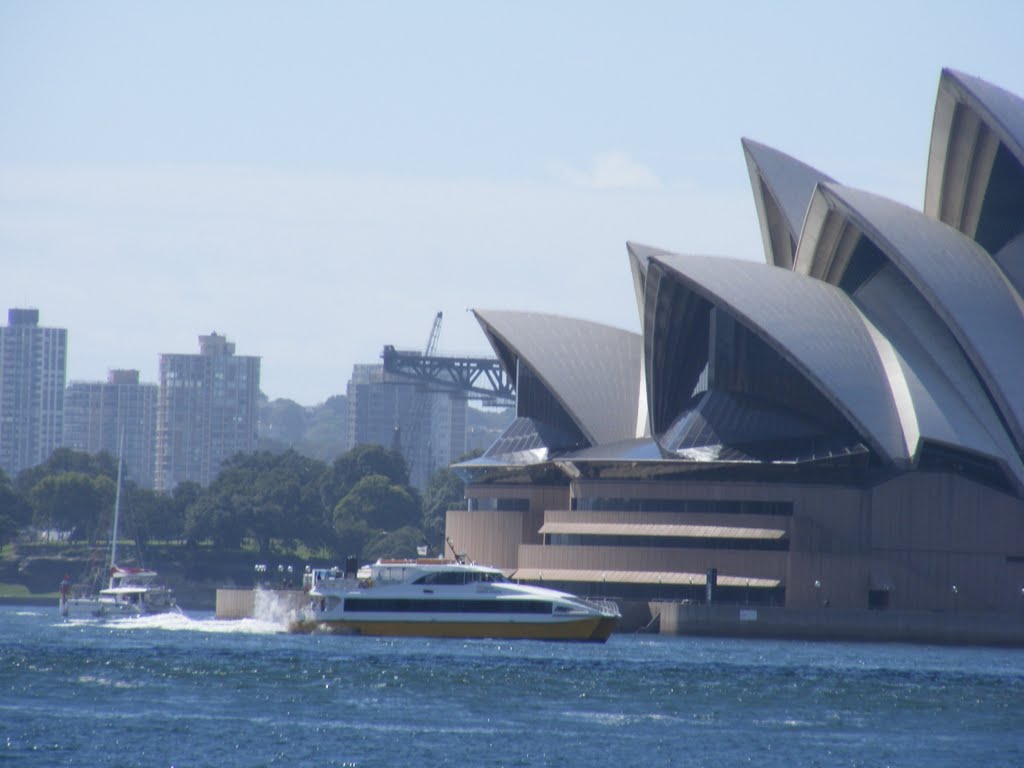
(18, 594)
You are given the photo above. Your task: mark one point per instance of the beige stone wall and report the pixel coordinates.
(915, 536)
(768, 565)
(488, 537)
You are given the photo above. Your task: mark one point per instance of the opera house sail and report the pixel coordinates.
(833, 433)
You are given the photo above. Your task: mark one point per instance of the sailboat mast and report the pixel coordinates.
(117, 501)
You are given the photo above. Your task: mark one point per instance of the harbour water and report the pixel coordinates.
(193, 691)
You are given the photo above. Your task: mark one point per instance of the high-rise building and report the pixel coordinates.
(446, 439)
(429, 428)
(33, 364)
(206, 411)
(96, 413)
(376, 408)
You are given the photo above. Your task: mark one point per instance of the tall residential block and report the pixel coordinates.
(206, 411)
(96, 413)
(33, 364)
(429, 428)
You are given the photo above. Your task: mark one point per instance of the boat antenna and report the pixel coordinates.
(117, 500)
(459, 558)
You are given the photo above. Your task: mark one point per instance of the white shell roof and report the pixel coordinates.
(592, 370)
(961, 151)
(789, 184)
(815, 326)
(639, 256)
(957, 277)
(937, 392)
(1011, 260)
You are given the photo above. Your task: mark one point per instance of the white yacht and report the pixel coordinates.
(135, 591)
(446, 598)
(129, 591)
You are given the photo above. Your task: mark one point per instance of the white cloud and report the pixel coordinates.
(610, 170)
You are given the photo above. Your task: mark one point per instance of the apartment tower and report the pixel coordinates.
(96, 413)
(33, 364)
(206, 411)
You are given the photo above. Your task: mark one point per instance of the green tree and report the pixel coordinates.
(214, 515)
(325, 431)
(400, 543)
(445, 490)
(149, 515)
(264, 496)
(351, 538)
(380, 503)
(73, 502)
(15, 512)
(362, 461)
(282, 424)
(184, 495)
(66, 460)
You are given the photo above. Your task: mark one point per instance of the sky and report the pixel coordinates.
(316, 180)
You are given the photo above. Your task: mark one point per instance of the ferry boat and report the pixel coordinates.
(446, 598)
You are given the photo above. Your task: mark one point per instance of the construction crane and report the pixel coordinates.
(418, 411)
(435, 334)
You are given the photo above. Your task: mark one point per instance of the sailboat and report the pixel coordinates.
(129, 591)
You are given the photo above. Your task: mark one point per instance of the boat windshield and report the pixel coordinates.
(461, 577)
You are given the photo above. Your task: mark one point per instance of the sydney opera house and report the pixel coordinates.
(840, 425)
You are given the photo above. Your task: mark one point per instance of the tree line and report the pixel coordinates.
(361, 504)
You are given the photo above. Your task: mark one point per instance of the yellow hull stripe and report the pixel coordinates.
(595, 629)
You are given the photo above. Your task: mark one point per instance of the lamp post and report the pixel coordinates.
(817, 587)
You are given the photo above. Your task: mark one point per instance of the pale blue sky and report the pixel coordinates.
(317, 179)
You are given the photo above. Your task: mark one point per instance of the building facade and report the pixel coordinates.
(428, 428)
(96, 413)
(206, 411)
(840, 426)
(33, 365)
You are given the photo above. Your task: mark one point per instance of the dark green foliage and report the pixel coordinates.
(148, 516)
(400, 543)
(283, 421)
(362, 461)
(351, 538)
(370, 516)
(262, 496)
(15, 512)
(326, 429)
(444, 491)
(73, 502)
(12, 504)
(361, 504)
(215, 516)
(67, 460)
(318, 432)
(379, 504)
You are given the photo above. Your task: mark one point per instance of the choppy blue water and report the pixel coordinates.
(192, 691)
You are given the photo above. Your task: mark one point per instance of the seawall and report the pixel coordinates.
(263, 603)
(829, 624)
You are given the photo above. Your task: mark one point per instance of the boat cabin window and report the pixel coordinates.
(390, 575)
(450, 578)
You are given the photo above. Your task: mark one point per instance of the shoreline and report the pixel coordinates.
(830, 624)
